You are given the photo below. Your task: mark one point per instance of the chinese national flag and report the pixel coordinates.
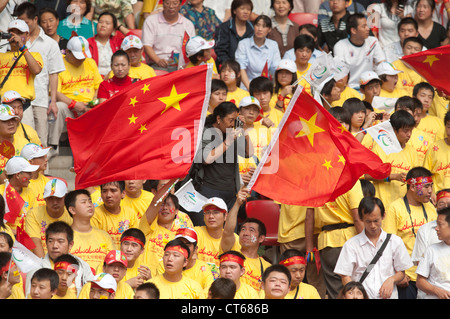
(312, 159)
(265, 71)
(183, 48)
(147, 131)
(14, 204)
(23, 237)
(433, 66)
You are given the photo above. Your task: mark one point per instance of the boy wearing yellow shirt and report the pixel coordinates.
(304, 46)
(230, 74)
(437, 159)
(90, 244)
(40, 217)
(262, 89)
(172, 283)
(405, 216)
(112, 216)
(137, 197)
(198, 50)
(388, 75)
(66, 266)
(9, 278)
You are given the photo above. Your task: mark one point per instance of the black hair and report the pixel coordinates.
(27, 8)
(291, 3)
(59, 227)
(174, 200)
(405, 102)
(235, 66)
(233, 252)
(340, 114)
(47, 274)
(304, 41)
(328, 87)
(407, 20)
(222, 110)
(431, 3)
(353, 105)
(178, 242)
(217, 84)
(367, 188)
(267, 21)
(412, 39)
(68, 258)
(260, 84)
(288, 253)
(350, 286)
(222, 288)
(71, 197)
(120, 53)
(367, 206)
(134, 232)
(422, 86)
(88, 6)
(8, 238)
(237, 3)
(119, 184)
(150, 288)
(48, 10)
(446, 118)
(5, 258)
(113, 17)
(353, 21)
(445, 211)
(278, 268)
(2, 211)
(418, 171)
(262, 231)
(402, 119)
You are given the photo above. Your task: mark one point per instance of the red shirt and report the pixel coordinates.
(113, 85)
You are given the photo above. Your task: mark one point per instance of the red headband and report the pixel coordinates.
(214, 207)
(186, 232)
(7, 267)
(233, 258)
(419, 180)
(133, 239)
(179, 249)
(443, 194)
(294, 260)
(66, 266)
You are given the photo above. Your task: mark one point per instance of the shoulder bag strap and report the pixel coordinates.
(375, 259)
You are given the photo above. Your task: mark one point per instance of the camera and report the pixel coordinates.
(379, 116)
(238, 123)
(5, 35)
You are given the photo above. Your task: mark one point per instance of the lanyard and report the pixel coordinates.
(410, 217)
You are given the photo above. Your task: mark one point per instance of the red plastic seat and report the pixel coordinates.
(269, 213)
(160, 72)
(304, 18)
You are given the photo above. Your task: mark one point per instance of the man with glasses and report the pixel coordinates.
(163, 34)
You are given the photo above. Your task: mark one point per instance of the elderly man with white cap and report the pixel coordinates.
(77, 86)
(18, 172)
(40, 217)
(28, 64)
(37, 155)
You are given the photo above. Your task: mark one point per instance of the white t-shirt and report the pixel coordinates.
(426, 236)
(435, 267)
(359, 58)
(359, 251)
(218, 6)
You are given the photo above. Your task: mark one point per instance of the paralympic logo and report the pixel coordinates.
(319, 75)
(192, 196)
(384, 137)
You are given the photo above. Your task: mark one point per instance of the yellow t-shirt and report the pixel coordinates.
(338, 212)
(397, 93)
(237, 95)
(124, 291)
(408, 78)
(186, 288)
(96, 197)
(30, 201)
(80, 83)
(302, 82)
(31, 133)
(70, 294)
(38, 220)
(246, 292)
(437, 161)
(420, 141)
(254, 269)
(37, 186)
(291, 224)
(346, 94)
(158, 236)
(17, 292)
(140, 204)
(209, 248)
(200, 272)
(92, 247)
(401, 162)
(21, 79)
(439, 107)
(133, 272)
(303, 291)
(114, 224)
(433, 126)
(141, 72)
(211, 61)
(18, 143)
(400, 223)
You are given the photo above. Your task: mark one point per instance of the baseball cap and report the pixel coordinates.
(116, 256)
(287, 64)
(17, 164)
(368, 76)
(196, 44)
(79, 47)
(32, 150)
(56, 188)
(7, 112)
(215, 203)
(105, 281)
(249, 100)
(131, 41)
(387, 68)
(10, 96)
(188, 233)
(19, 24)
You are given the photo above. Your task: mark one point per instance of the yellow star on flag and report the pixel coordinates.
(173, 100)
(342, 128)
(327, 164)
(133, 101)
(430, 59)
(341, 159)
(309, 128)
(143, 128)
(145, 88)
(132, 119)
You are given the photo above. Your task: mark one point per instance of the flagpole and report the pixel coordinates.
(274, 139)
(182, 187)
(320, 94)
(167, 192)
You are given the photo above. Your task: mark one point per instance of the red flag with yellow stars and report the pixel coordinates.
(147, 131)
(433, 66)
(312, 159)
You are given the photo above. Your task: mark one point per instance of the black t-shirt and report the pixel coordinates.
(437, 35)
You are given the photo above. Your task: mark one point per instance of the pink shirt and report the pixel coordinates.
(163, 37)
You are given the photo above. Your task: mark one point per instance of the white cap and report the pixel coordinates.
(105, 281)
(196, 44)
(79, 47)
(56, 188)
(387, 68)
(216, 201)
(131, 41)
(32, 150)
(10, 96)
(17, 164)
(249, 100)
(368, 76)
(19, 24)
(7, 113)
(187, 233)
(287, 64)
